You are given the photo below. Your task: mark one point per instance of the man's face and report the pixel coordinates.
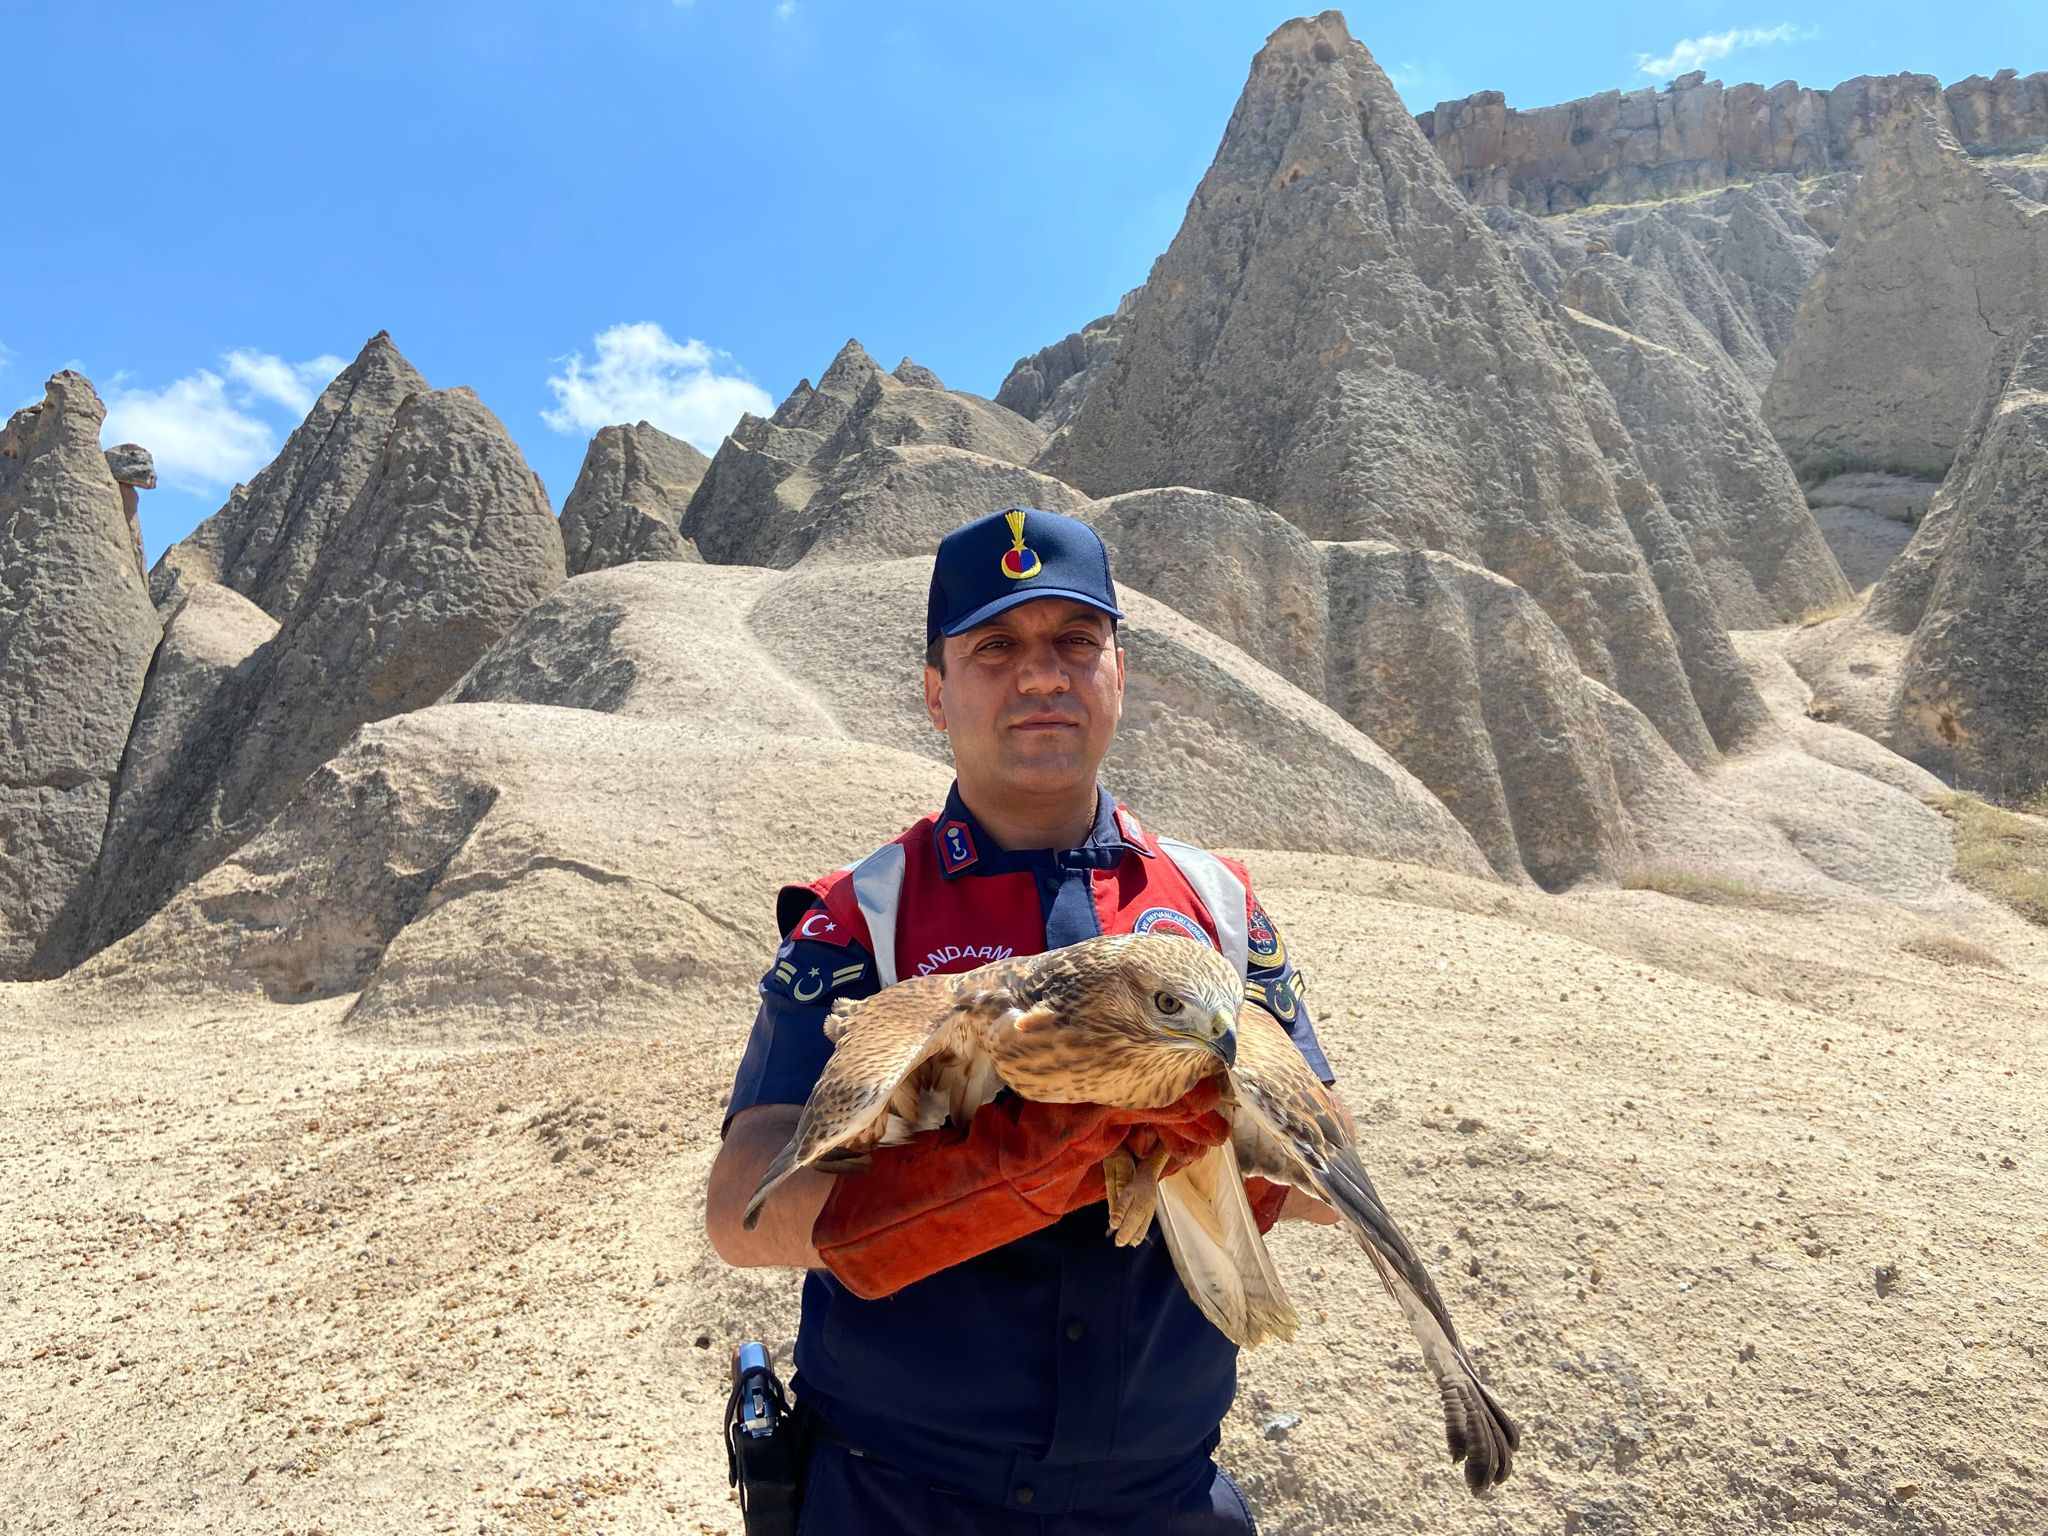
(1030, 699)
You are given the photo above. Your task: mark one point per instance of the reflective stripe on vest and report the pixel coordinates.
(1221, 892)
(878, 891)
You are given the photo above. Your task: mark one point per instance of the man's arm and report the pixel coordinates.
(783, 1234)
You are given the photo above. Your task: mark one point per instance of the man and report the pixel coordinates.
(975, 1354)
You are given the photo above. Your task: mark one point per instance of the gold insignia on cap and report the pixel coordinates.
(1018, 560)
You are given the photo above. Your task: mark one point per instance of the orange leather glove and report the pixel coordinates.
(949, 1195)
(1266, 1198)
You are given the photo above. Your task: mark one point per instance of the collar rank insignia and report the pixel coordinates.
(956, 846)
(1019, 560)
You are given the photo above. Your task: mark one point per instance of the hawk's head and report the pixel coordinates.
(1132, 1019)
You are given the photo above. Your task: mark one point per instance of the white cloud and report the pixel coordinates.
(200, 439)
(644, 374)
(785, 10)
(295, 385)
(6, 353)
(1693, 53)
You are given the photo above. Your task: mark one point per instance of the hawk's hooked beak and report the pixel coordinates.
(1225, 1046)
(1218, 1035)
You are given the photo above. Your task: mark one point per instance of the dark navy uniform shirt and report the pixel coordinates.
(1059, 1371)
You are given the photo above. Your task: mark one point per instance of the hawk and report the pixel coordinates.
(1135, 1021)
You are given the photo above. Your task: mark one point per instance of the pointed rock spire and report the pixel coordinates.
(448, 540)
(266, 540)
(628, 498)
(816, 473)
(1335, 333)
(76, 635)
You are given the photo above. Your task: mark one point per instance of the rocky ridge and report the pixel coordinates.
(1697, 429)
(1737, 259)
(1973, 689)
(1697, 134)
(1050, 384)
(751, 507)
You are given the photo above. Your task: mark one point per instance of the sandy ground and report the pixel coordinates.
(1742, 1211)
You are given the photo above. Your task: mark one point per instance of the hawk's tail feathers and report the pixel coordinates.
(1476, 1427)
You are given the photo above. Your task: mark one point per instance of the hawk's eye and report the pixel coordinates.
(1167, 1003)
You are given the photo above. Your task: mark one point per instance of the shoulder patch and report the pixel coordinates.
(1276, 996)
(807, 971)
(819, 924)
(1265, 948)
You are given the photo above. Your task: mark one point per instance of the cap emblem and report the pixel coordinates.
(1019, 561)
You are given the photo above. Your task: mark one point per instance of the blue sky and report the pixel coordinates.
(678, 209)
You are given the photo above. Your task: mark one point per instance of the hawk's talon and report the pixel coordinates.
(1118, 1169)
(1133, 1192)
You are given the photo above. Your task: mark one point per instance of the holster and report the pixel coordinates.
(767, 1444)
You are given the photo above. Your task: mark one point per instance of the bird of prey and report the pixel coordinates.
(1135, 1021)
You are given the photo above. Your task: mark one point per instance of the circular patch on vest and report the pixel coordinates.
(1175, 924)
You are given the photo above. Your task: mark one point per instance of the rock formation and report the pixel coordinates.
(751, 508)
(1235, 568)
(1937, 263)
(1973, 696)
(629, 497)
(185, 729)
(1454, 671)
(1335, 334)
(1736, 260)
(447, 542)
(1697, 431)
(266, 541)
(741, 653)
(133, 470)
(2029, 177)
(1459, 675)
(1049, 385)
(76, 633)
(1697, 134)
(891, 503)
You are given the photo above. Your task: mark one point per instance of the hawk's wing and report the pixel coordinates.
(905, 1060)
(1216, 1247)
(1287, 1129)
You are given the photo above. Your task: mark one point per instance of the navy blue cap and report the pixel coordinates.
(1011, 557)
